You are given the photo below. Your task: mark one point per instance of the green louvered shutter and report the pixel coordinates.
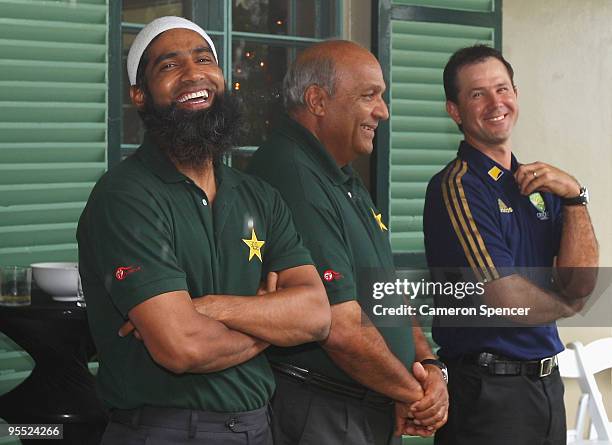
(455, 5)
(423, 137)
(53, 131)
(414, 45)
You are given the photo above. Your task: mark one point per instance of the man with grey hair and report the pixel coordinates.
(349, 387)
(177, 243)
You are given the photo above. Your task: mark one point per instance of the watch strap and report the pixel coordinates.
(581, 199)
(439, 364)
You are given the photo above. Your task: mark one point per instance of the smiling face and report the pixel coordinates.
(486, 107)
(353, 112)
(181, 70)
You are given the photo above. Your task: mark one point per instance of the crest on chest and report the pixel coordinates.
(537, 200)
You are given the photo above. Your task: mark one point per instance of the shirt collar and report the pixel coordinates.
(316, 151)
(227, 176)
(486, 167)
(161, 165)
(153, 156)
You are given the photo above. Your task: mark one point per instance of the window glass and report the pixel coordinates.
(143, 11)
(241, 158)
(303, 18)
(257, 75)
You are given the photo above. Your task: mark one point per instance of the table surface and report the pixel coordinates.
(43, 306)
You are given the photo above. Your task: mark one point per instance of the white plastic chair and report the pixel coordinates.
(569, 369)
(594, 358)
(583, 362)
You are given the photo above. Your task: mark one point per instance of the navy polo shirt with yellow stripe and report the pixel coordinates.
(340, 225)
(147, 229)
(475, 217)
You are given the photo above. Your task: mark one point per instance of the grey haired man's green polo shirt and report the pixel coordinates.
(340, 225)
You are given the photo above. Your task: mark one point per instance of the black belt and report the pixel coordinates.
(328, 384)
(191, 420)
(499, 365)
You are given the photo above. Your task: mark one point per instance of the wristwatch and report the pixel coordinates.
(581, 200)
(439, 364)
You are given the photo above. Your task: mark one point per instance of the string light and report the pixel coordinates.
(261, 64)
(236, 86)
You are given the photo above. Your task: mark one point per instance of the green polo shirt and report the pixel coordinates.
(147, 229)
(339, 224)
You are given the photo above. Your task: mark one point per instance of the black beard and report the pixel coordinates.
(194, 138)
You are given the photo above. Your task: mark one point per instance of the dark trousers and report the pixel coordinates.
(170, 426)
(502, 410)
(305, 415)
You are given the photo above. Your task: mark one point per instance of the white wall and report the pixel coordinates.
(561, 51)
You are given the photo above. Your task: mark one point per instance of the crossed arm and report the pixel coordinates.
(293, 309)
(182, 339)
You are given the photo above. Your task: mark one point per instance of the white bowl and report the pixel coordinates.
(57, 279)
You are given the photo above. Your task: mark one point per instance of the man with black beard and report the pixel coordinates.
(176, 244)
(194, 137)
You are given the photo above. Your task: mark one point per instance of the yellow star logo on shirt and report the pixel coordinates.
(378, 218)
(254, 246)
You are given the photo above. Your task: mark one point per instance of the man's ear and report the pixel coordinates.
(315, 99)
(137, 96)
(453, 111)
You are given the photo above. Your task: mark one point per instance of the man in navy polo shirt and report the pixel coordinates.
(486, 212)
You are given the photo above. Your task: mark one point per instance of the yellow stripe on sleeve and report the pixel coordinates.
(446, 186)
(483, 248)
(454, 186)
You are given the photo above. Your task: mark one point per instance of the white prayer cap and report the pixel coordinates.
(152, 30)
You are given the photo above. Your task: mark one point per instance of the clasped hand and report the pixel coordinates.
(425, 416)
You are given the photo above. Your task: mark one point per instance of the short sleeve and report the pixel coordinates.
(462, 227)
(126, 240)
(314, 216)
(322, 232)
(285, 248)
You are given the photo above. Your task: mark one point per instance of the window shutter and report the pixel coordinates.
(458, 5)
(53, 130)
(423, 137)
